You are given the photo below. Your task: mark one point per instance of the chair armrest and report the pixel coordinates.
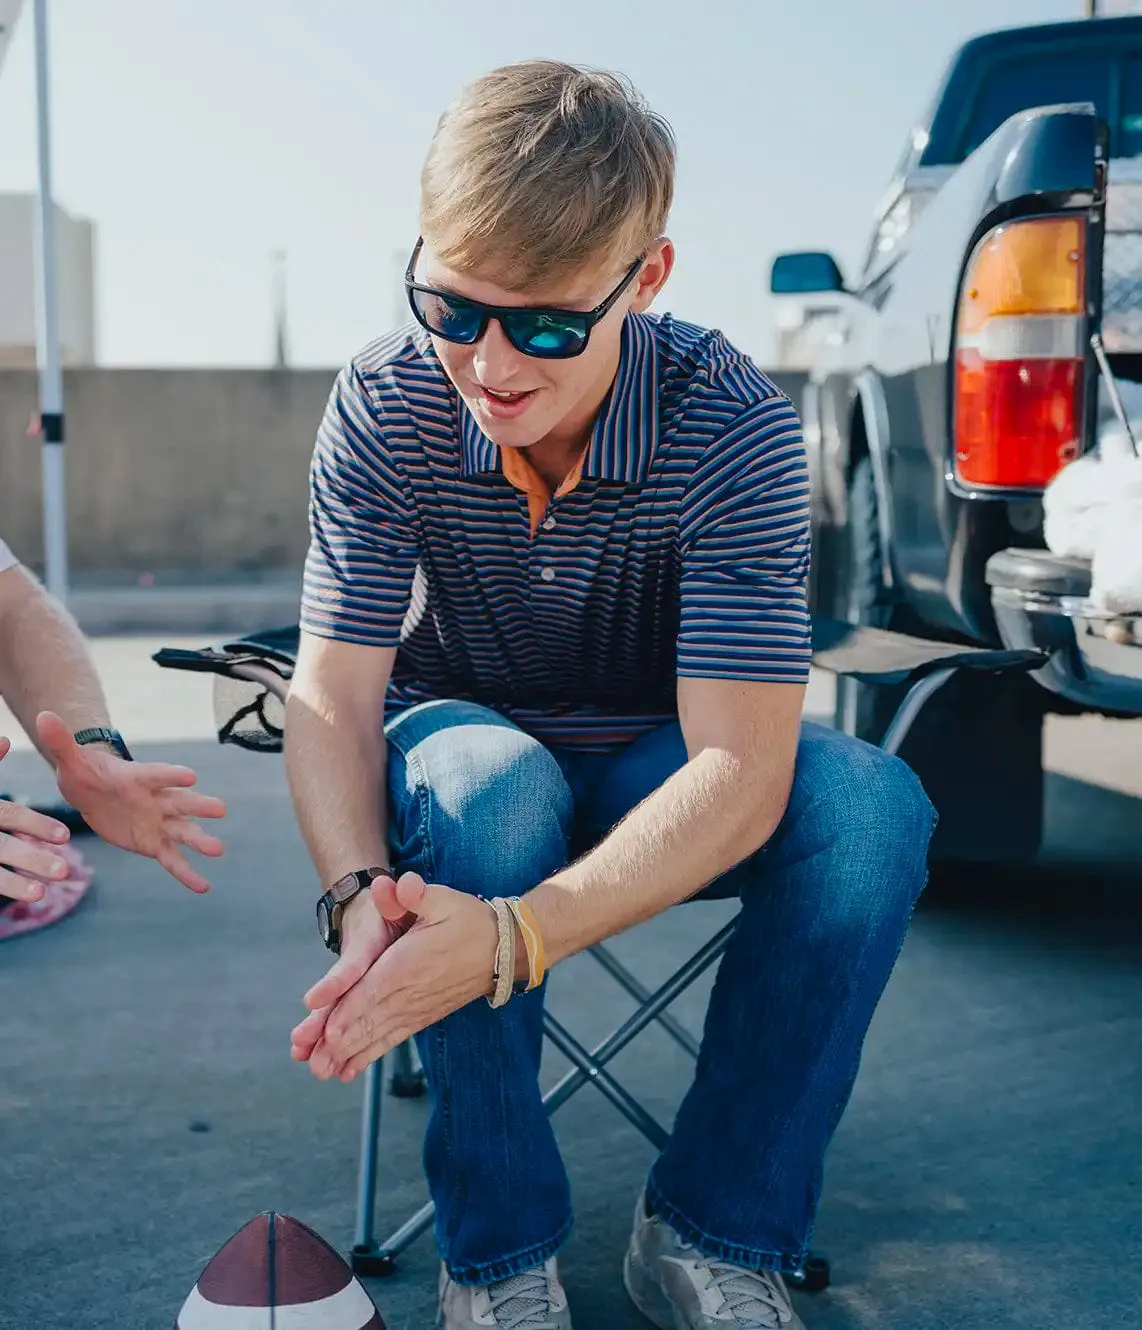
(877, 656)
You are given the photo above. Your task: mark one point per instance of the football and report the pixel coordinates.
(278, 1274)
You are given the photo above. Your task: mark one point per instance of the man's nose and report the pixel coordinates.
(495, 360)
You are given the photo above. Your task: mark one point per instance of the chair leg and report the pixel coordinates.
(592, 1069)
(366, 1259)
(914, 702)
(635, 1024)
(813, 1276)
(408, 1080)
(386, 1253)
(622, 976)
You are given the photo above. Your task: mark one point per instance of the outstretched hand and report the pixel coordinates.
(414, 952)
(145, 807)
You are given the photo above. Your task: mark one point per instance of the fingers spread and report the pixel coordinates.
(177, 866)
(193, 837)
(162, 775)
(191, 804)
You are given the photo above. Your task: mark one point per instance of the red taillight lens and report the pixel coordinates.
(1019, 355)
(1017, 422)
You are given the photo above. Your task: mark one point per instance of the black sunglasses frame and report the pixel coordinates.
(588, 317)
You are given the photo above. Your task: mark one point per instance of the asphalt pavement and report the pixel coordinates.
(986, 1173)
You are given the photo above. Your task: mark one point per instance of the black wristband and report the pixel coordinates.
(102, 734)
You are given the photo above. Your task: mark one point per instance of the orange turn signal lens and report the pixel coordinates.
(1032, 267)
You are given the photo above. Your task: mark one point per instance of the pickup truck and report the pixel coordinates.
(966, 365)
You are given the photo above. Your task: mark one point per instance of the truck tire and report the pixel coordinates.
(977, 746)
(862, 710)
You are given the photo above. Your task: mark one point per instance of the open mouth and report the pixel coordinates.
(505, 405)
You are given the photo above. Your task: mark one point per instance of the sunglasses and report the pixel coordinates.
(551, 334)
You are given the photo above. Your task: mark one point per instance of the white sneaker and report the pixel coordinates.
(533, 1300)
(678, 1288)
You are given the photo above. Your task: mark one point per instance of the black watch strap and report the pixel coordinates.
(102, 734)
(332, 904)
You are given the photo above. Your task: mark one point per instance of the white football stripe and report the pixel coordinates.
(340, 1310)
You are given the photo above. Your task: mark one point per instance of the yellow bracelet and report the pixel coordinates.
(532, 941)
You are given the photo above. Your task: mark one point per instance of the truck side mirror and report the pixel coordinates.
(804, 274)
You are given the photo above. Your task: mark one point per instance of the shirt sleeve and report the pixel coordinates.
(363, 549)
(744, 534)
(7, 558)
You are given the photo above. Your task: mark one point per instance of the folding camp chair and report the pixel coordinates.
(253, 678)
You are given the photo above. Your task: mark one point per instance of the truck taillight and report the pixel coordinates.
(1020, 354)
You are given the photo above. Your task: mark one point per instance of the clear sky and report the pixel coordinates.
(200, 135)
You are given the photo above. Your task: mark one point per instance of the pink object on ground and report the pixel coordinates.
(58, 901)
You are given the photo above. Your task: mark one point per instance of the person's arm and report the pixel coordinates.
(44, 661)
(335, 753)
(49, 681)
(715, 811)
(743, 661)
(358, 587)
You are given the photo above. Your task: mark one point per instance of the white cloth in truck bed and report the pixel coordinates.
(1093, 508)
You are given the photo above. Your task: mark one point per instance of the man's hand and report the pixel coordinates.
(26, 839)
(365, 934)
(430, 951)
(146, 807)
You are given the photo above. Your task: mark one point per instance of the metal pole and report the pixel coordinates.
(1091, 8)
(47, 336)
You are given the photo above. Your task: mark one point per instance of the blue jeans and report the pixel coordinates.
(480, 806)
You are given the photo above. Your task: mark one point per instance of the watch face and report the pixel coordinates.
(325, 919)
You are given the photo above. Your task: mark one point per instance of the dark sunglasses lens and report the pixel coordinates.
(454, 320)
(549, 335)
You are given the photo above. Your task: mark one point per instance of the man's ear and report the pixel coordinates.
(653, 274)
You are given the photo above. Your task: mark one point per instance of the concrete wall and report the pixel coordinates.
(203, 473)
(199, 471)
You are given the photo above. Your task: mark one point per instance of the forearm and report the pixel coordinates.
(710, 815)
(45, 664)
(336, 770)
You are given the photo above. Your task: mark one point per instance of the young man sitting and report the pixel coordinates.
(563, 544)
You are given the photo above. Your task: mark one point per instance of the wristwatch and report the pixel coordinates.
(331, 906)
(101, 734)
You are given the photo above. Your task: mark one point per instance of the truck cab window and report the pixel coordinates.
(1036, 80)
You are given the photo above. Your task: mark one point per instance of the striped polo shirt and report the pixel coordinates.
(680, 545)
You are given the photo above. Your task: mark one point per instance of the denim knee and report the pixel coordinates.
(871, 812)
(487, 809)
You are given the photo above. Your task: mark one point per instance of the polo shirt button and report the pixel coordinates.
(547, 574)
(549, 524)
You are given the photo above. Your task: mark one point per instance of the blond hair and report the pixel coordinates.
(541, 168)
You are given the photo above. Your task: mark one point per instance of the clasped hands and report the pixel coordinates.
(412, 953)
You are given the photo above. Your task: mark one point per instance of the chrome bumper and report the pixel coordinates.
(1096, 658)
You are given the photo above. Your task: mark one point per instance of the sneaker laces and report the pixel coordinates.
(522, 1302)
(755, 1297)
